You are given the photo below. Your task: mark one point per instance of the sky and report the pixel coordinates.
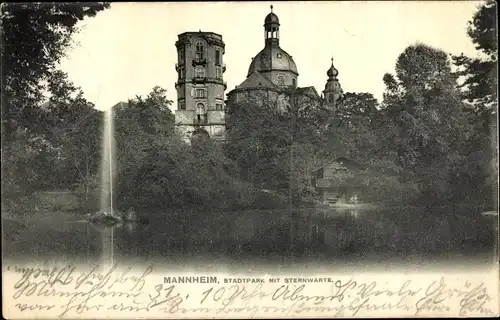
(129, 48)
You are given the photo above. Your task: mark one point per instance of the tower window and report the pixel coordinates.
(200, 113)
(218, 106)
(200, 93)
(294, 81)
(217, 57)
(181, 73)
(182, 105)
(281, 80)
(199, 72)
(200, 108)
(181, 56)
(330, 98)
(199, 50)
(218, 73)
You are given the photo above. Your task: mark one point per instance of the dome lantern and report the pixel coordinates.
(272, 28)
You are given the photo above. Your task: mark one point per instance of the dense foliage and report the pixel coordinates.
(157, 170)
(480, 72)
(479, 90)
(35, 37)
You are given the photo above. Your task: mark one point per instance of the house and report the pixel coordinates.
(335, 182)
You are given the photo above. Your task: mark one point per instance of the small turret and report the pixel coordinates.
(333, 91)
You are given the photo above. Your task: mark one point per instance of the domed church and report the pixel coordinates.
(271, 70)
(273, 62)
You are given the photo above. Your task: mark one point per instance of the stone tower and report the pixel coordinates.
(200, 85)
(333, 91)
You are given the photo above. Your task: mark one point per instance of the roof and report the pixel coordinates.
(349, 164)
(272, 58)
(256, 80)
(271, 18)
(198, 33)
(332, 72)
(309, 91)
(120, 104)
(209, 37)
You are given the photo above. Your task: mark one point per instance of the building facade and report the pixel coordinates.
(273, 69)
(331, 181)
(200, 85)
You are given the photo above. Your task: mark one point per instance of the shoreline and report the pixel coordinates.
(348, 206)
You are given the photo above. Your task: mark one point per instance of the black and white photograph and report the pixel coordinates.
(266, 154)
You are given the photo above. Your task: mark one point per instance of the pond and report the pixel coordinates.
(249, 240)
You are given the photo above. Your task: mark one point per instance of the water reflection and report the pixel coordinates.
(309, 234)
(104, 254)
(108, 236)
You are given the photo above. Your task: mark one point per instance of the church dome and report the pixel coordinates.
(271, 18)
(273, 58)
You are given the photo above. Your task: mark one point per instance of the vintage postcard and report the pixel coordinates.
(204, 160)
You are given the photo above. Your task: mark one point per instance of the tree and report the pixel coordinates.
(73, 141)
(158, 170)
(144, 132)
(480, 73)
(426, 121)
(480, 91)
(257, 140)
(274, 141)
(354, 131)
(34, 39)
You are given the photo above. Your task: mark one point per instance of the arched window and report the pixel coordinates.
(199, 50)
(281, 80)
(200, 113)
(294, 81)
(268, 33)
(200, 108)
(330, 98)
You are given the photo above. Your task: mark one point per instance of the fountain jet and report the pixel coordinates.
(107, 175)
(107, 163)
